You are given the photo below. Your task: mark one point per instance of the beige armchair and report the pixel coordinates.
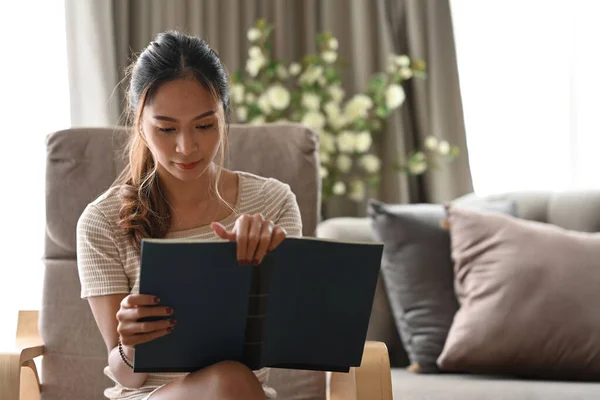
(82, 163)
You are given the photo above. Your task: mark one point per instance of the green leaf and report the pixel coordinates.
(382, 111)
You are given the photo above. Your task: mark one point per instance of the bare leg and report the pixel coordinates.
(227, 380)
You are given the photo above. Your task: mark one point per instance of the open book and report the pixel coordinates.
(306, 306)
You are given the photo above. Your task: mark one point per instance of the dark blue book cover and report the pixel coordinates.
(306, 306)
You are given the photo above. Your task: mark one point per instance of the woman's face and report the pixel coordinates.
(181, 128)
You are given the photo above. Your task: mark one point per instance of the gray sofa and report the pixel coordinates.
(571, 210)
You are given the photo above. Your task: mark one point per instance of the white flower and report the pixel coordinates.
(334, 115)
(282, 72)
(332, 109)
(363, 141)
(346, 141)
(279, 97)
(322, 80)
(323, 172)
(357, 107)
(394, 96)
(333, 43)
(311, 101)
(337, 93)
(242, 114)
(265, 104)
(324, 157)
(402, 61)
(329, 56)
(326, 142)
(258, 120)
(370, 163)
(417, 168)
(344, 163)
(311, 74)
(406, 73)
(295, 69)
(250, 98)
(418, 163)
(339, 188)
(358, 191)
(253, 65)
(314, 120)
(337, 122)
(237, 93)
(255, 52)
(444, 148)
(431, 143)
(253, 34)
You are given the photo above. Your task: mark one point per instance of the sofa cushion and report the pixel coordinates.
(529, 296)
(409, 386)
(417, 271)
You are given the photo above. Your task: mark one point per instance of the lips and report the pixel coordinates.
(187, 165)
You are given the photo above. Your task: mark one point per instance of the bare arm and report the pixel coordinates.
(105, 309)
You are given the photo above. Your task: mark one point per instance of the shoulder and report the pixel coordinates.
(266, 188)
(103, 212)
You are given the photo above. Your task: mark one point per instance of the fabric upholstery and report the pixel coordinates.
(418, 274)
(409, 386)
(81, 164)
(529, 294)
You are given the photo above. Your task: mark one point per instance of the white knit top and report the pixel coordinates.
(109, 264)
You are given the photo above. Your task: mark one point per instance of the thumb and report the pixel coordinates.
(222, 232)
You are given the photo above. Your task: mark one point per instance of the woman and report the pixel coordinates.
(175, 186)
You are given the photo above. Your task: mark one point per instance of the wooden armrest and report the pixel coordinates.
(19, 379)
(371, 381)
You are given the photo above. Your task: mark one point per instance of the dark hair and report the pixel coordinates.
(172, 55)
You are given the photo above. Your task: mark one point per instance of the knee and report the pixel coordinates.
(231, 380)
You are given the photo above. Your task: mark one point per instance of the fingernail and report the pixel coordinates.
(172, 322)
(169, 329)
(255, 262)
(156, 300)
(169, 310)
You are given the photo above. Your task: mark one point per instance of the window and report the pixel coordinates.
(530, 86)
(35, 96)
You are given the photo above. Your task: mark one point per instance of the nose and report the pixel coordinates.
(186, 143)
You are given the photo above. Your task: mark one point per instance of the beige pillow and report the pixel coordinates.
(530, 298)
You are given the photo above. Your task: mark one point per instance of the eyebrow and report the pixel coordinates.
(164, 118)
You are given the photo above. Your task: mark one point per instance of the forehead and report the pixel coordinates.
(181, 97)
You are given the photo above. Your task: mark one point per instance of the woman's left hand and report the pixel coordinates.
(254, 236)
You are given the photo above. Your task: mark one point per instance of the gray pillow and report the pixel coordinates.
(417, 271)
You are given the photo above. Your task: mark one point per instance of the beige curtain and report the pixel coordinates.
(103, 34)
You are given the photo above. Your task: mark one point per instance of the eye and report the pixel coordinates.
(204, 127)
(166, 130)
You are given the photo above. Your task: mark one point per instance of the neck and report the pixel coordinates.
(187, 194)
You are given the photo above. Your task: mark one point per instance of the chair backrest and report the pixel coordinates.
(83, 163)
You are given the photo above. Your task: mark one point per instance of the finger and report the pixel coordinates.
(130, 328)
(277, 237)
(144, 337)
(134, 300)
(254, 237)
(242, 225)
(264, 242)
(222, 232)
(134, 314)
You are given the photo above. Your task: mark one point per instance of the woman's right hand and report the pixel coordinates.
(135, 307)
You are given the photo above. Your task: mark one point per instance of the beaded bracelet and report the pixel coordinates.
(122, 353)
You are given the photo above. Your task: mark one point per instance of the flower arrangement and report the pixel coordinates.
(310, 92)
